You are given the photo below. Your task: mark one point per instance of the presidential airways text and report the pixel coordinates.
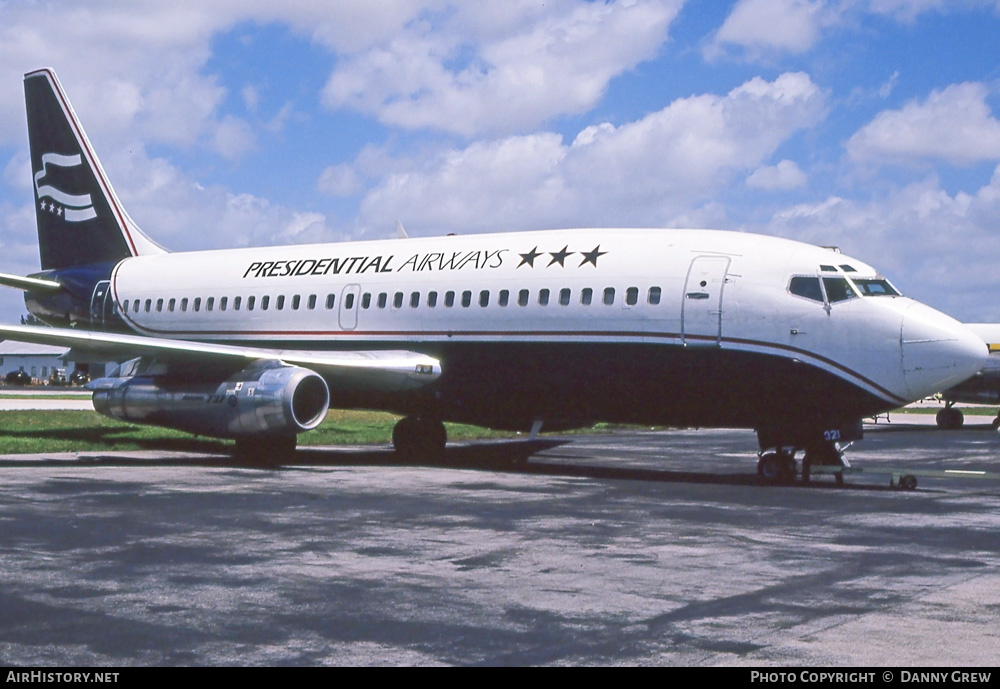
(356, 265)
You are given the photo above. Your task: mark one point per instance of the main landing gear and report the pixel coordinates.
(265, 451)
(419, 437)
(778, 466)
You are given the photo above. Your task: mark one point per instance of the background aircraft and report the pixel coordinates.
(982, 388)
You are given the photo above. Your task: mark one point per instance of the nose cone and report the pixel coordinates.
(938, 351)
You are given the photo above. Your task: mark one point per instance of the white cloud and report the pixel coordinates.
(783, 176)
(954, 124)
(791, 26)
(648, 172)
(909, 10)
(233, 138)
(470, 76)
(940, 248)
(340, 180)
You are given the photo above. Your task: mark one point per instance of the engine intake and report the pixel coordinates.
(267, 398)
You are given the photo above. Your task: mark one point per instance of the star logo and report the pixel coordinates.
(529, 258)
(560, 256)
(592, 256)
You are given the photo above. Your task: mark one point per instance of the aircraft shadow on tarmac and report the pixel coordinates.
(505, 456)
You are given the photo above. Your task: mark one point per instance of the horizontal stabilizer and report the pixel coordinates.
(29, 284)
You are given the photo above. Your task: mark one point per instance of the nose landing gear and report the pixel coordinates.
(779, 467)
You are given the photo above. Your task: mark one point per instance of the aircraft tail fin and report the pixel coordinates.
(80, 219)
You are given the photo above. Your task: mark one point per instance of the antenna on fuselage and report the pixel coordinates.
(401, 231)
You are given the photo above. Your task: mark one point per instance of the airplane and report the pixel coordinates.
(982, 388)
(550, 329)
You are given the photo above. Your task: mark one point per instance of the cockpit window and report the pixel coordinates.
(875, 287)
(838, 289)
(806, 287)
(847, 268)
(828, 269)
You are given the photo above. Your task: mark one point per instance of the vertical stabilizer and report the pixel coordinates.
(80, 220)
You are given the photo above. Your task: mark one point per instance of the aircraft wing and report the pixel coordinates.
(377, 370)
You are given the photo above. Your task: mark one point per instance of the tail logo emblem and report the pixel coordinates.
(71, 207)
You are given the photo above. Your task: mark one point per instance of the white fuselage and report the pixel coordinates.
(677, 288)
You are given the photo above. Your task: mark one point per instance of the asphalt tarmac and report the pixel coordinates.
(623, 549)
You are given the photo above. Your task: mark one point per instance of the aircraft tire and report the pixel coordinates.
(419, 438)
(773, 468)
(950, 419)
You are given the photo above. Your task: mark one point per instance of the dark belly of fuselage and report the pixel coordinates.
(510, 385)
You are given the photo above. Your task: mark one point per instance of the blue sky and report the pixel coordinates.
(867, 124)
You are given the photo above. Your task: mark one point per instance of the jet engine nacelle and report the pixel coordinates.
(266, 399)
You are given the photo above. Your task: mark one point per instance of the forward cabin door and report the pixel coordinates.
(701, 305)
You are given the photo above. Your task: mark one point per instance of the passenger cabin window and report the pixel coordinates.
(609, 296)
(250, 303)
(264, 302)
(632, 296)
(414, 299)
(330, 299)
(197, 303)
(296, 300)
(366, 300)
(522, 298)
(449, 299)
(543, 297)
(504, 297)
(654, 296)
(806, 287)
(236, 303)
(312, 302)
(223, 303)
(837, 290)
(432, 299)
(210, 303)
(397, 300)
(586, 296)
(383, 299)
(279, 303)
(349, 301)
(466, 298)
(484, 298)
(564, 295)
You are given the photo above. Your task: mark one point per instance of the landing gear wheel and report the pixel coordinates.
(950, 419)
(417, 438)
(824, 454)
(776, 467)
(908, 482)
(996, 424)
(265, 451)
